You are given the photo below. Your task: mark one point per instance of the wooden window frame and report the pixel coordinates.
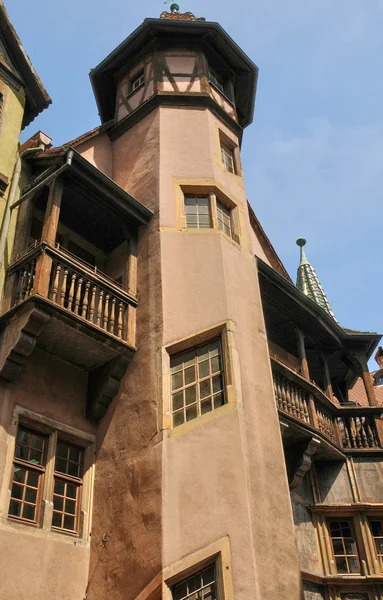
(198, 213)
(54, 432)
(218, 554)
(232, 148)
(228, 164)
(139, 76)
(353, 537)
(214, 199)
(74, 481)
(198, 380)
(225, 225)
(217, 80)
(29, 466)
(191, 594)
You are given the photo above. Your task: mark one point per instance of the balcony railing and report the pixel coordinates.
(76, 288)
(348, 428)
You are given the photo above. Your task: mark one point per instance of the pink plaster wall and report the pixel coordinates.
(98, 150)
(56, 390)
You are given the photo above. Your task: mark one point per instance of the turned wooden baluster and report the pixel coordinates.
(85, 300)
(55, 285)
(99, 309)
(78, 296)
(92, 304)
(293, 400)
(370, 434)
(278, 393)
(284, 395)
(112, 316)
(31, 278)
(351, 426)
(357, 431)
(119, 321)
(106, 313)
(301, 405)
(71, 291)
(290, 405)
(305, 409)
(363, 435)
(63, 287)
(19, 296)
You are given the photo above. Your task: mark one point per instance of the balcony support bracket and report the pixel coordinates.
(18, 340)
(104, 383)
(305, 462)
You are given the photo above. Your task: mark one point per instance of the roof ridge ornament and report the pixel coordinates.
(175, 14)
(308, 282)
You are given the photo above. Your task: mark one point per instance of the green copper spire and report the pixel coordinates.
(308, 282)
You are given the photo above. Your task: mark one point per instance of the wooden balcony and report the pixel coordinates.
(309, 411)
(73, 311)
(77, 289)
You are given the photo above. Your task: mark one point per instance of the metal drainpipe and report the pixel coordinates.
(11, 197)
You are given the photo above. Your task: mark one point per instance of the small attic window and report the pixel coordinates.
(137, 81)
(216, 80)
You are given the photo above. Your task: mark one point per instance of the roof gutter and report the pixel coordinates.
(46, 181)
(11, 196)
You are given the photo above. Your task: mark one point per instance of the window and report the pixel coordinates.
(224, 220)
(197, 212)
(137, 81)
(200, 586)
(376, 528)
(67, 486)
(197, 382)
(344, 547)
(227, 156)
(29, 470)
(28, 475)
(354, 596)
(216, 80)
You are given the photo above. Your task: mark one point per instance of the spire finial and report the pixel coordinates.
(174, 8)
(302, 242)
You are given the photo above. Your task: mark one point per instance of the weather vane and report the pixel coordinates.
(174, 8)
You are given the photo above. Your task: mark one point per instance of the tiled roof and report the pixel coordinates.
(308, 282)
(358, 393)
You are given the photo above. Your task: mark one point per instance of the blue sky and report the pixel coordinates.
(313, 158)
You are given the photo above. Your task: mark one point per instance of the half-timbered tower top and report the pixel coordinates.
(175, 60)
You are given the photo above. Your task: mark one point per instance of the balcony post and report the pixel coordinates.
(302, 354)
(366, 378)
(51, 221)
(132, 265)
(327, 377)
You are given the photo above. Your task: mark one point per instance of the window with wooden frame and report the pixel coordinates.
(199, 586)
(197, 381)
(197, 212)
(224, 219)
(137, 81)
(28, 475)
(29, 471)
(344, 546)
(227, 156)
(67, 486)
(216, 80)
(376, 528)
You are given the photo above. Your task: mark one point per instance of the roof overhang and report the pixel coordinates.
(71, 165)
(37, 98)
(311, 317)
(211, 37)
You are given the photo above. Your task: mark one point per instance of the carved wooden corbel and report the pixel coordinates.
(306, 462)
